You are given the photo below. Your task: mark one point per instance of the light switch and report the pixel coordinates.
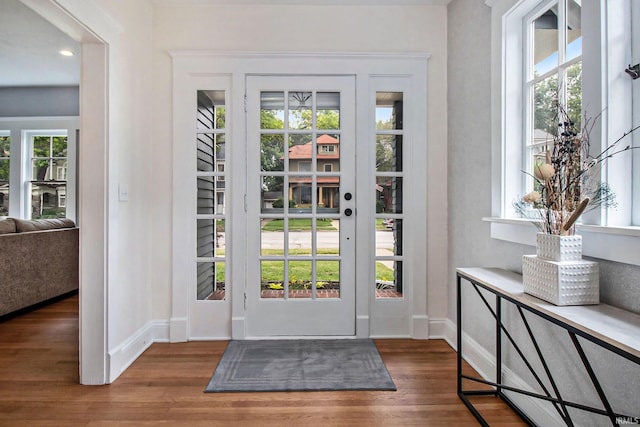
(123, 192)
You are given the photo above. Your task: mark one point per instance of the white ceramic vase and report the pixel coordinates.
(558, 274)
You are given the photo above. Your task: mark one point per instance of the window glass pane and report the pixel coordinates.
(48, 200)
(272, 194)
(328, 279)
(328, 152)
(389, 236)
(41, 146)
(545, 41)
(272, 279)
(389, 153)
(545, 94)
(210, 280)
(389, 194)
(206, 238)
(328, 199)
(206, 195)
(272, 237)
(300, 192)
(59, 169)
(40, 170)
(299, 237)
(574, 29)
(206, 154)
(272, 152)
(300, 279)
(300, 105)
(272, 110)
(211, 109)
(59, 146)
(389, 110)
(5, 154)
(388, 279)
(327, 237)
(220, 239)
(328, 110)
(5, 150)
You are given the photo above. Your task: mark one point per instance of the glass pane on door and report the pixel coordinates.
(300, 190)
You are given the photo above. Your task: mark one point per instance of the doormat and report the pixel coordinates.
(300, 365)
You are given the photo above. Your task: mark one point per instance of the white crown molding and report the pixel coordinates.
(171, 3)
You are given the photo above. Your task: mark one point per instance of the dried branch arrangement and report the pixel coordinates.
(567, 183)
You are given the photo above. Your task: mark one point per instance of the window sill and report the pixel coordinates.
(620, 244)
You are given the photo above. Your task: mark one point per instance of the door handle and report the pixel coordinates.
(348, 212)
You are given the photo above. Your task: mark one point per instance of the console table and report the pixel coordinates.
(611, 328)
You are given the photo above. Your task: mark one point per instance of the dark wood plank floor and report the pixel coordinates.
(39, 386)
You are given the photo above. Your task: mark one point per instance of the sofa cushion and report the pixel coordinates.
(23, 225)
(7, 225)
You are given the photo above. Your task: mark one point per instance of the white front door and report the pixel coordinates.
(301, 205)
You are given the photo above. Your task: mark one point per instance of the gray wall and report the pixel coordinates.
(469, 153)
(48, 101)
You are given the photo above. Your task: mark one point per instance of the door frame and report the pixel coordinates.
(405, 317)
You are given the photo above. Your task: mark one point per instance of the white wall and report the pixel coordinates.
(129, 165)
(288, 28)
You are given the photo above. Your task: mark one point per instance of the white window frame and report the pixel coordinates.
(20, 129)
(618, 240)
(28, 163)
(2, 157)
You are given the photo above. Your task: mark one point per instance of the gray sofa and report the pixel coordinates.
(38, 261)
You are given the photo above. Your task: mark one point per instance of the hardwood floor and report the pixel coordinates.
(39, 386)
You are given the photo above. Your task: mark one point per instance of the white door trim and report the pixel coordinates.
(191, 65)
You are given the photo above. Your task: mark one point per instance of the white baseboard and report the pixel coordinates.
(161, 331)
(178, 329)
(121, 357)
(420, 327)
(443, 329)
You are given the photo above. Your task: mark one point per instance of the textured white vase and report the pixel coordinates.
(558, 248)
(558, 274)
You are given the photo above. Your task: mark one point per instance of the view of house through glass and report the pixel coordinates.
(300, 194)
(210, 214)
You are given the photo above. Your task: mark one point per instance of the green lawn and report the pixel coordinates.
(300, 271)
(298, 224)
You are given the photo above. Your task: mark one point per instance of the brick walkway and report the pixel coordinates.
(306, 293)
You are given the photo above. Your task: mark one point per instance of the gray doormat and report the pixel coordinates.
(300, 365)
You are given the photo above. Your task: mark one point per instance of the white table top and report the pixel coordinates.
(617, 327)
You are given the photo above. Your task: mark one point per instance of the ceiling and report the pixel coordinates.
(29, 50)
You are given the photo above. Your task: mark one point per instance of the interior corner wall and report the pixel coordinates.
(129, 182)
(300, 28)
(47, 101)
(469, 152)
